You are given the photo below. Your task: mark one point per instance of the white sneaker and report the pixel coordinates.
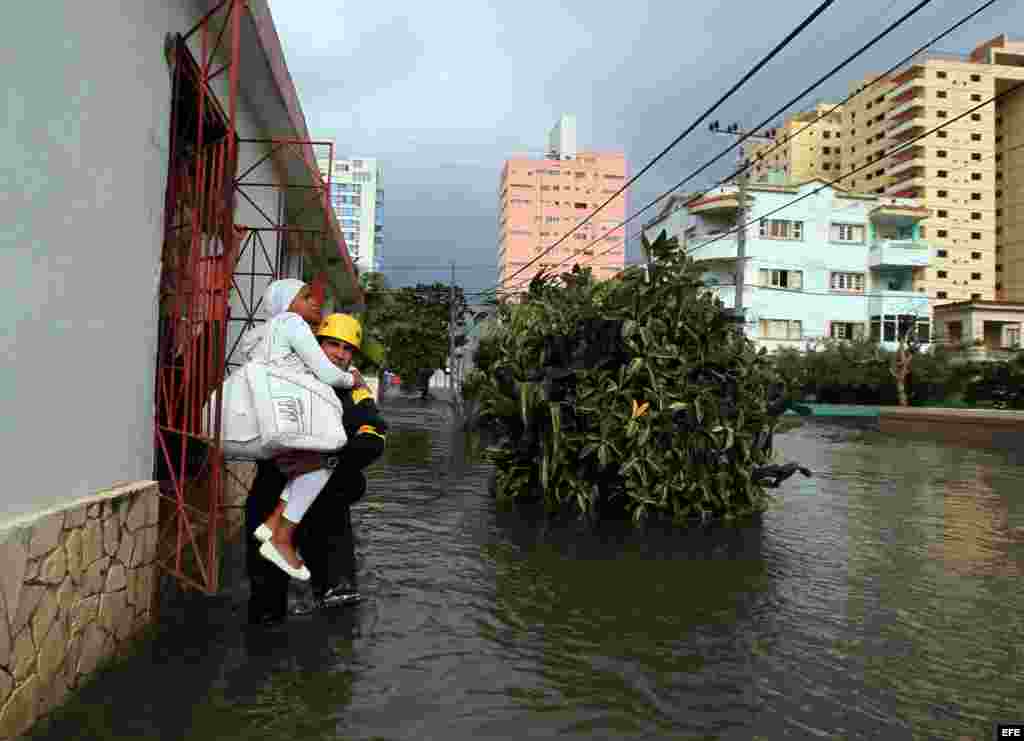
(269, 551)
(263, 533)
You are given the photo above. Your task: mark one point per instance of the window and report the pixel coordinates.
(941, 75)
(848, 233)
(975, 196)
(942, 233)
(853, 282)
(943, 134)
(975, 116)
(976, 255)
(975, 78)
(941, 114)
(941, 94)
(975, 276)
(975, 137)
(976, 156)
(846, 330)
(942, 193)
(943, 214)
(976, 97)
(792, 279)
(943, 173)
(940, 294)
(826, 150)
(975, 176)
(975, 297)
(941, 153)
(942, 274)
(782, 329)
(781, 229)
(975, 215)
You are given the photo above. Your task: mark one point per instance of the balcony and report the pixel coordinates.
(911, 103)
(912, 84)
(898, 302)
(898, 253)
(720, 203)
(712, 245)
(907, 184)
(904, 158)
(906, 128)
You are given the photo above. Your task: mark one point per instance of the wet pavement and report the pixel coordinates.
(879, 599)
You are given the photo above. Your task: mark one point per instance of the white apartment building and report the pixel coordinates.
(826, 263)
(357, 195)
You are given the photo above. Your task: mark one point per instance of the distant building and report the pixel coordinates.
(357, 195)
(970, 173)
(836, 265)
(542, 200)
(815, 152)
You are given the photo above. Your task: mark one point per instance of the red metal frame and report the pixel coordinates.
(202, 273)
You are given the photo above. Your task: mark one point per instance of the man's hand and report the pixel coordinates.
(299, 462)
(358, 378)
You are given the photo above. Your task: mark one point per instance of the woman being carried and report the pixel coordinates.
(286, 339)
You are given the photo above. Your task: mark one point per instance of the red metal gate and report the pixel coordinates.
(200, 245)
(209, 292)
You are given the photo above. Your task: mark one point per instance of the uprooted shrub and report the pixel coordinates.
(629, 396)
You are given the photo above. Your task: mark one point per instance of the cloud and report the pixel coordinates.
(442, 94)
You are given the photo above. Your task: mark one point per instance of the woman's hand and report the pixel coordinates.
(358, 378)
(299, 462)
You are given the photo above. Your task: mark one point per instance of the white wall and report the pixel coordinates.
(83, 156)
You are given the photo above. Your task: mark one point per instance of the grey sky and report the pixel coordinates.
(443, 92)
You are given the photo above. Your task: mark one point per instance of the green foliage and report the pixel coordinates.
(412, 325)
(857, 372)
(997, 385)
(627, 396)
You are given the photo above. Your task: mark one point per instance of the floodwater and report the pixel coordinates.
(880, 599)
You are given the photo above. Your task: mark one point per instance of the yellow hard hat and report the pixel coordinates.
(342, 327)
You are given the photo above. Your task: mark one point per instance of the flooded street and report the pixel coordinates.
(879, 599)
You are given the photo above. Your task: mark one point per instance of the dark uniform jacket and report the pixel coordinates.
(324, 537)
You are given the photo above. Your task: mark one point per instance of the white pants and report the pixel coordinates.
(302, 491)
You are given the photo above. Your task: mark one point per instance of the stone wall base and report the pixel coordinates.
(76, 586)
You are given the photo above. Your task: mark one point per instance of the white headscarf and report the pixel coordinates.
(280, 294)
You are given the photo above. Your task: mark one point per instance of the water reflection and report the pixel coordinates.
(880, 599)
(630, 631)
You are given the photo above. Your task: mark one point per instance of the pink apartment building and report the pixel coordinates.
(543, 199)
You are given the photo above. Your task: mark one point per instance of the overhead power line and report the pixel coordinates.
(789, 138)
(686, 132)
(866, 165)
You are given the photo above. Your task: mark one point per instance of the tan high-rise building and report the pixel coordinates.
(798, 157)
(970, 174)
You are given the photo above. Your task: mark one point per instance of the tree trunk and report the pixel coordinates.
(901, 391)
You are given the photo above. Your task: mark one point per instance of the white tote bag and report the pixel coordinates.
(271, 408)
(239, 426)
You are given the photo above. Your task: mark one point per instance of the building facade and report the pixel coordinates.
(835, 265)
(542, 200)
(798, 157)
(115, 286)
(970, 173)
(357, 196)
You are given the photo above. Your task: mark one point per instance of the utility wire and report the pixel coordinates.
(968, 166)
(866, 165)
(686, 132)
(789, 138)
